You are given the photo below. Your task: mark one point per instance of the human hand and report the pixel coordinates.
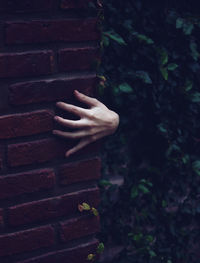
(94, 123)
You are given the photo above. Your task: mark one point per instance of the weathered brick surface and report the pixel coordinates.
(79, 227)
(68, 4)
(80, 171)
(26, 64)
(48, 49)
(16, 125)
(19, 6)
(26, 240)
(34, 152)
(77, 254)
(69, 30)
(26, 182)
(51, 208)
(77, 58)
(50, 90)
(1, 219)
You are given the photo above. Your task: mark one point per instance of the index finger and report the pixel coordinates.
(72, 108)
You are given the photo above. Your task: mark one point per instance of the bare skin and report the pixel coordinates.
(94, 123)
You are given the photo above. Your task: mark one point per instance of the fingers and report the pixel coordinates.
(86, 99)
(70, 123)
(73, 109)
(79, 146)
(72, 135)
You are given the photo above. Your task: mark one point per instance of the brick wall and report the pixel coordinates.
(48, 48)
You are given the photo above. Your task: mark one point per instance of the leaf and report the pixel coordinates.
(179, 22)
(86, 206)
(195, 97)
(104, 183)
(144, 189)
(114, 36)
(196, 167)
(100, 248)
(172, 66)
(91, 257)
(94, 211)
(144, 76)
(134, 192)
(163, 56)
(125, 87)
(194, 52)
(188, 85)
(143, 38)
(187, 28)
(164, 72)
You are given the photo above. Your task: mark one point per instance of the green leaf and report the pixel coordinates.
(164, 72)
(143, 188)
(104, 183)
(187, 28)
(163, 56)
(195, 97)
(143, 38)
(125, 87)
(172, 66)
(134, 192)
(100, 248)
(196, 167)
(194, 52)
(179, 22)
(86, 206)
(114, 36)
(144, 76)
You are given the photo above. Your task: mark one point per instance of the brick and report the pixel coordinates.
(1, 156)
(51, 208)
(70, 4)
(84, 58)
(23, 124)
(26, 64)
(25, 6)
(80, 171)
(79, 227)
(27, 240)
(1, 219)
(76, 254)
(26, 182)
(46, 31)
(35, 152)
(51, 90)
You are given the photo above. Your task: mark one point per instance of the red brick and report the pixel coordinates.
(19, 6)
(34, 152)
(26, 64)
(16, 125)
(76, 254)
(1, 156)
(51, 208)
(46, 31)
(79, 227)
(51, 90)
(80, 171)
(69, 4)
(1, 219)
(27, 240)
(84, 58)
(26, 182)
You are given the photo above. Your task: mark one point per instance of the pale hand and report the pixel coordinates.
(94, 123)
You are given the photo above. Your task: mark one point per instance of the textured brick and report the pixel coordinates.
(26, 240)
(76, 254)
(26, 64)
(16, 125)
(51, 90)
(43, 31)
(1, 219)
(84, 58)
(26, 182)
(1, 156)
(51, 208)
(19, 6)
(80, 171)
(68, 4)
(79, 227)
(34, 152)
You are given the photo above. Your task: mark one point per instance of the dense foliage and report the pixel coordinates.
(151, 64)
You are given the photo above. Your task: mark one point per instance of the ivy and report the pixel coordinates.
(150, 76)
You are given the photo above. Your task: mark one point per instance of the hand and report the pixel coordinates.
(94, 123)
